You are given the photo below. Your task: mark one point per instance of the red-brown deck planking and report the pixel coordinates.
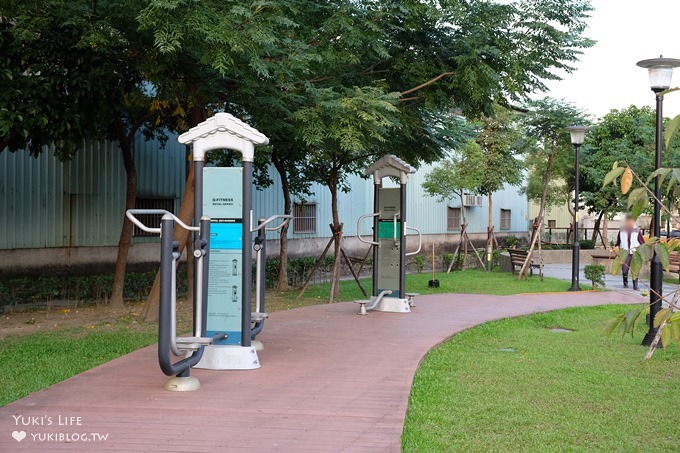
(330, 381)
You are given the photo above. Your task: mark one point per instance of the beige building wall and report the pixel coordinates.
(560, 214)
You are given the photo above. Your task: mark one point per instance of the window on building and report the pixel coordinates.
(552, 223)
(304, 218)
(505, 219)
(453, 220)
(152, 220)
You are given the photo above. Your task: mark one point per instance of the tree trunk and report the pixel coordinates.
(186, 215)
(282, 284)
(596, 227)
(336, 228)
(126, 142)
(605, 232)
(489, 233)
(181, 235)
(463, 232)
(539, 221)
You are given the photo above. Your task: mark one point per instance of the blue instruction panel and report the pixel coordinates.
(222, 195)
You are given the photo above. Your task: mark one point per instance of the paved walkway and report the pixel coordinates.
(612, 282)
(331, 381)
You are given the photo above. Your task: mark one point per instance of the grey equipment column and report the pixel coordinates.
(402, 241)
(247, 257)
(376, 220)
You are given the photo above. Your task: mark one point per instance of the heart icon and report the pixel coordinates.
(19, 435)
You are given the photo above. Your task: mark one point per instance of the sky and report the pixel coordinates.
(626, 32)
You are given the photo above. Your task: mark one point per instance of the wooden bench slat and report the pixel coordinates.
(517, 259)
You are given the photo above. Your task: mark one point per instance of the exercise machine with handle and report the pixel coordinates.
(191, 348)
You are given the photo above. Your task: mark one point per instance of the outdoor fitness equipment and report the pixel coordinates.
(168, 342)
(223, 323)
(224, 194)
(389, 238)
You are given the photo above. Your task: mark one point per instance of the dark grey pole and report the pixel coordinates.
(263, 266)
(247, 256)
(576, 245)
(261, 242)
(376, 224)
(402, 242)
(656, 271)
(168, 248)
(164, 313)
(205, 240)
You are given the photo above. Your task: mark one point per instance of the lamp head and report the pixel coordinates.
(578, 134)
(660, 72)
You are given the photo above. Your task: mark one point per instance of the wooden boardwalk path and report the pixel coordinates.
(330, 381)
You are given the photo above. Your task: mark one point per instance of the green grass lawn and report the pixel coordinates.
(469, 281)
(32, 362)
(547, 392)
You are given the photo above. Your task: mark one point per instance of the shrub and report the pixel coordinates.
(511, 241)
(419, 262)
(595, 273)
(587, 244)
(446, 259)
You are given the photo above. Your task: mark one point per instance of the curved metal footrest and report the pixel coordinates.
(193, 343)
(256, 316)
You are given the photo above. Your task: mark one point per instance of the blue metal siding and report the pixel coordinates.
(430, 215)
(48, 203)
(31, 201)
(424, 212)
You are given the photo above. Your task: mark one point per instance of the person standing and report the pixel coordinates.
(629, 239)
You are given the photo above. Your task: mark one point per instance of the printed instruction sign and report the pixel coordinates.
(222, 196)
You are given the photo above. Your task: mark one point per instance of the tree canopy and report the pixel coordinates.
(335, 83)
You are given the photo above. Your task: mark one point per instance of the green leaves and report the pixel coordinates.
(629, 321)
(615, 172)
(645, 251)
(661, 316)
(670, 130)
(638, 201)
(662, 252)
(625, 322)
(636, 265)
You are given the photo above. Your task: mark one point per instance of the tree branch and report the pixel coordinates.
(429, 82)
(141, 120)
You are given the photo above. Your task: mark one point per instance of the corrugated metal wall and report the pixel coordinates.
(48, 203)
(424, 212)
(31, 201)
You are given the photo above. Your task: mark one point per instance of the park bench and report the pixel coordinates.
(674, 263)
(517, 259)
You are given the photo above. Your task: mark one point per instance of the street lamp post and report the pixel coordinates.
(660, 76)
(578, 135)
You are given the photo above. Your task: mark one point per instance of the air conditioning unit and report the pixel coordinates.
(472, 200)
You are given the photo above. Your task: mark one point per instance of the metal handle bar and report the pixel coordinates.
(130, 214)
(420, 239)
(394, 227)
(361, 239)
(270, 220)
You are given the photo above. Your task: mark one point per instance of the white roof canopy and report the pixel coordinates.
(389, 165)
(223, 131)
